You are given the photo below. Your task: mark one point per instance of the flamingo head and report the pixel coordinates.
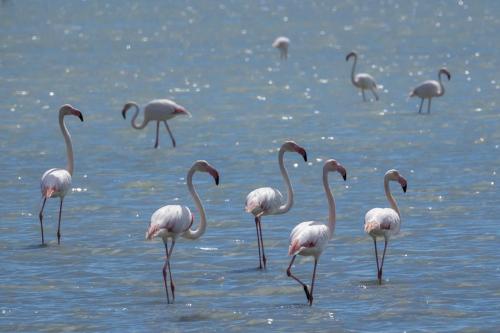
(204, 166)
(178, 110)
(68, 109)
(351, 54)
(332, 165)
(394, 175)
(126, 107)
(292, 146)
(445, 72)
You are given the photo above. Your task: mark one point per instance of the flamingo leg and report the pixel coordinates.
(258, 240)
(429, 106)
(421, 103)
(382, 264)
(169, 255)
(313, 279)
(170, 133)
(165, 271)
(262, 244)
(40, 215)
(157, 133)
(59, 223)
(374, 94)
(289, 274)
(376, 259)
(363, 93)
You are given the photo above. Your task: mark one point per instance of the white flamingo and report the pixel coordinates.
(269, 201)
(172, 221)
(157, 110)
(385, 222)
(57, 182)
(429, 89)
(282, 43)
(310, 238)
(362, 81)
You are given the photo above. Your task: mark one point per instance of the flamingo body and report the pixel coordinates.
(264, 201)
(282, 43)
(55, 183)
(170, 221)
(159, 110)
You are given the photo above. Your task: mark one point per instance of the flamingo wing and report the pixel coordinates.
(427, 89)
(379, 221)
(308, 238)
(169, 220)
(264, 200)
(365, 81)
(55, 183)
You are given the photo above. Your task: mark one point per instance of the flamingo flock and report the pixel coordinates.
(309, 239)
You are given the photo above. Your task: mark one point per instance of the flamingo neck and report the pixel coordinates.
(441, 86)
(134, 124)
(69, 146)
(289, 201)
(198, 232)
(389, 196)
(331, 204)
(353, 78)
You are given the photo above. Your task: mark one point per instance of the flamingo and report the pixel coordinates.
(56, 182)
(310, 238)
(172, 221)
(429, 89)
(282, 43)
(362, 81)
(156, 110)
(269, 201)
(385, 222)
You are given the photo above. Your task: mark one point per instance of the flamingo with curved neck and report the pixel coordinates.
(362, 81)
(429, 89)
(310, 238)
(269, 201)
(56, 182)
(172, 221)
(385, 222)
(159, 110)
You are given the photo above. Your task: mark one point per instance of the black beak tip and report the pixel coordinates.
(217, 180)
(81, 117)
(305, 157)
(123, 114)
(344, 176)
(404, 188)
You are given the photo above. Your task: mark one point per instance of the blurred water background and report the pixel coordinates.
(215, 58)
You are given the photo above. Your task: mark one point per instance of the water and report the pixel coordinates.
(441, 274)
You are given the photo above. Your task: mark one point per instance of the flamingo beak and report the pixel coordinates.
(124, 111)
(302, 152)
(348, 56)
(214, 174)
(77, 113)
(344, 174)
(403, 183)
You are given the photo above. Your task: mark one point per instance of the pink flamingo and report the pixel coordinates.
(156, 110)
(172, 221)
(310, 238)
(282, 43)
(269, 201)
(362, 81)
(56, 182)
(385, 222)
(429, 89)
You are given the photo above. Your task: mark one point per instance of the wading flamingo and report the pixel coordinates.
(269, 201)
(385, 222)
(362, 81)
(172, 221)
(429, 89)
(56, 182)
(310, 238)
(157, 110)
(282, 43)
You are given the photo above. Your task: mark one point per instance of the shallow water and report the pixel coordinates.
(442, 272)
